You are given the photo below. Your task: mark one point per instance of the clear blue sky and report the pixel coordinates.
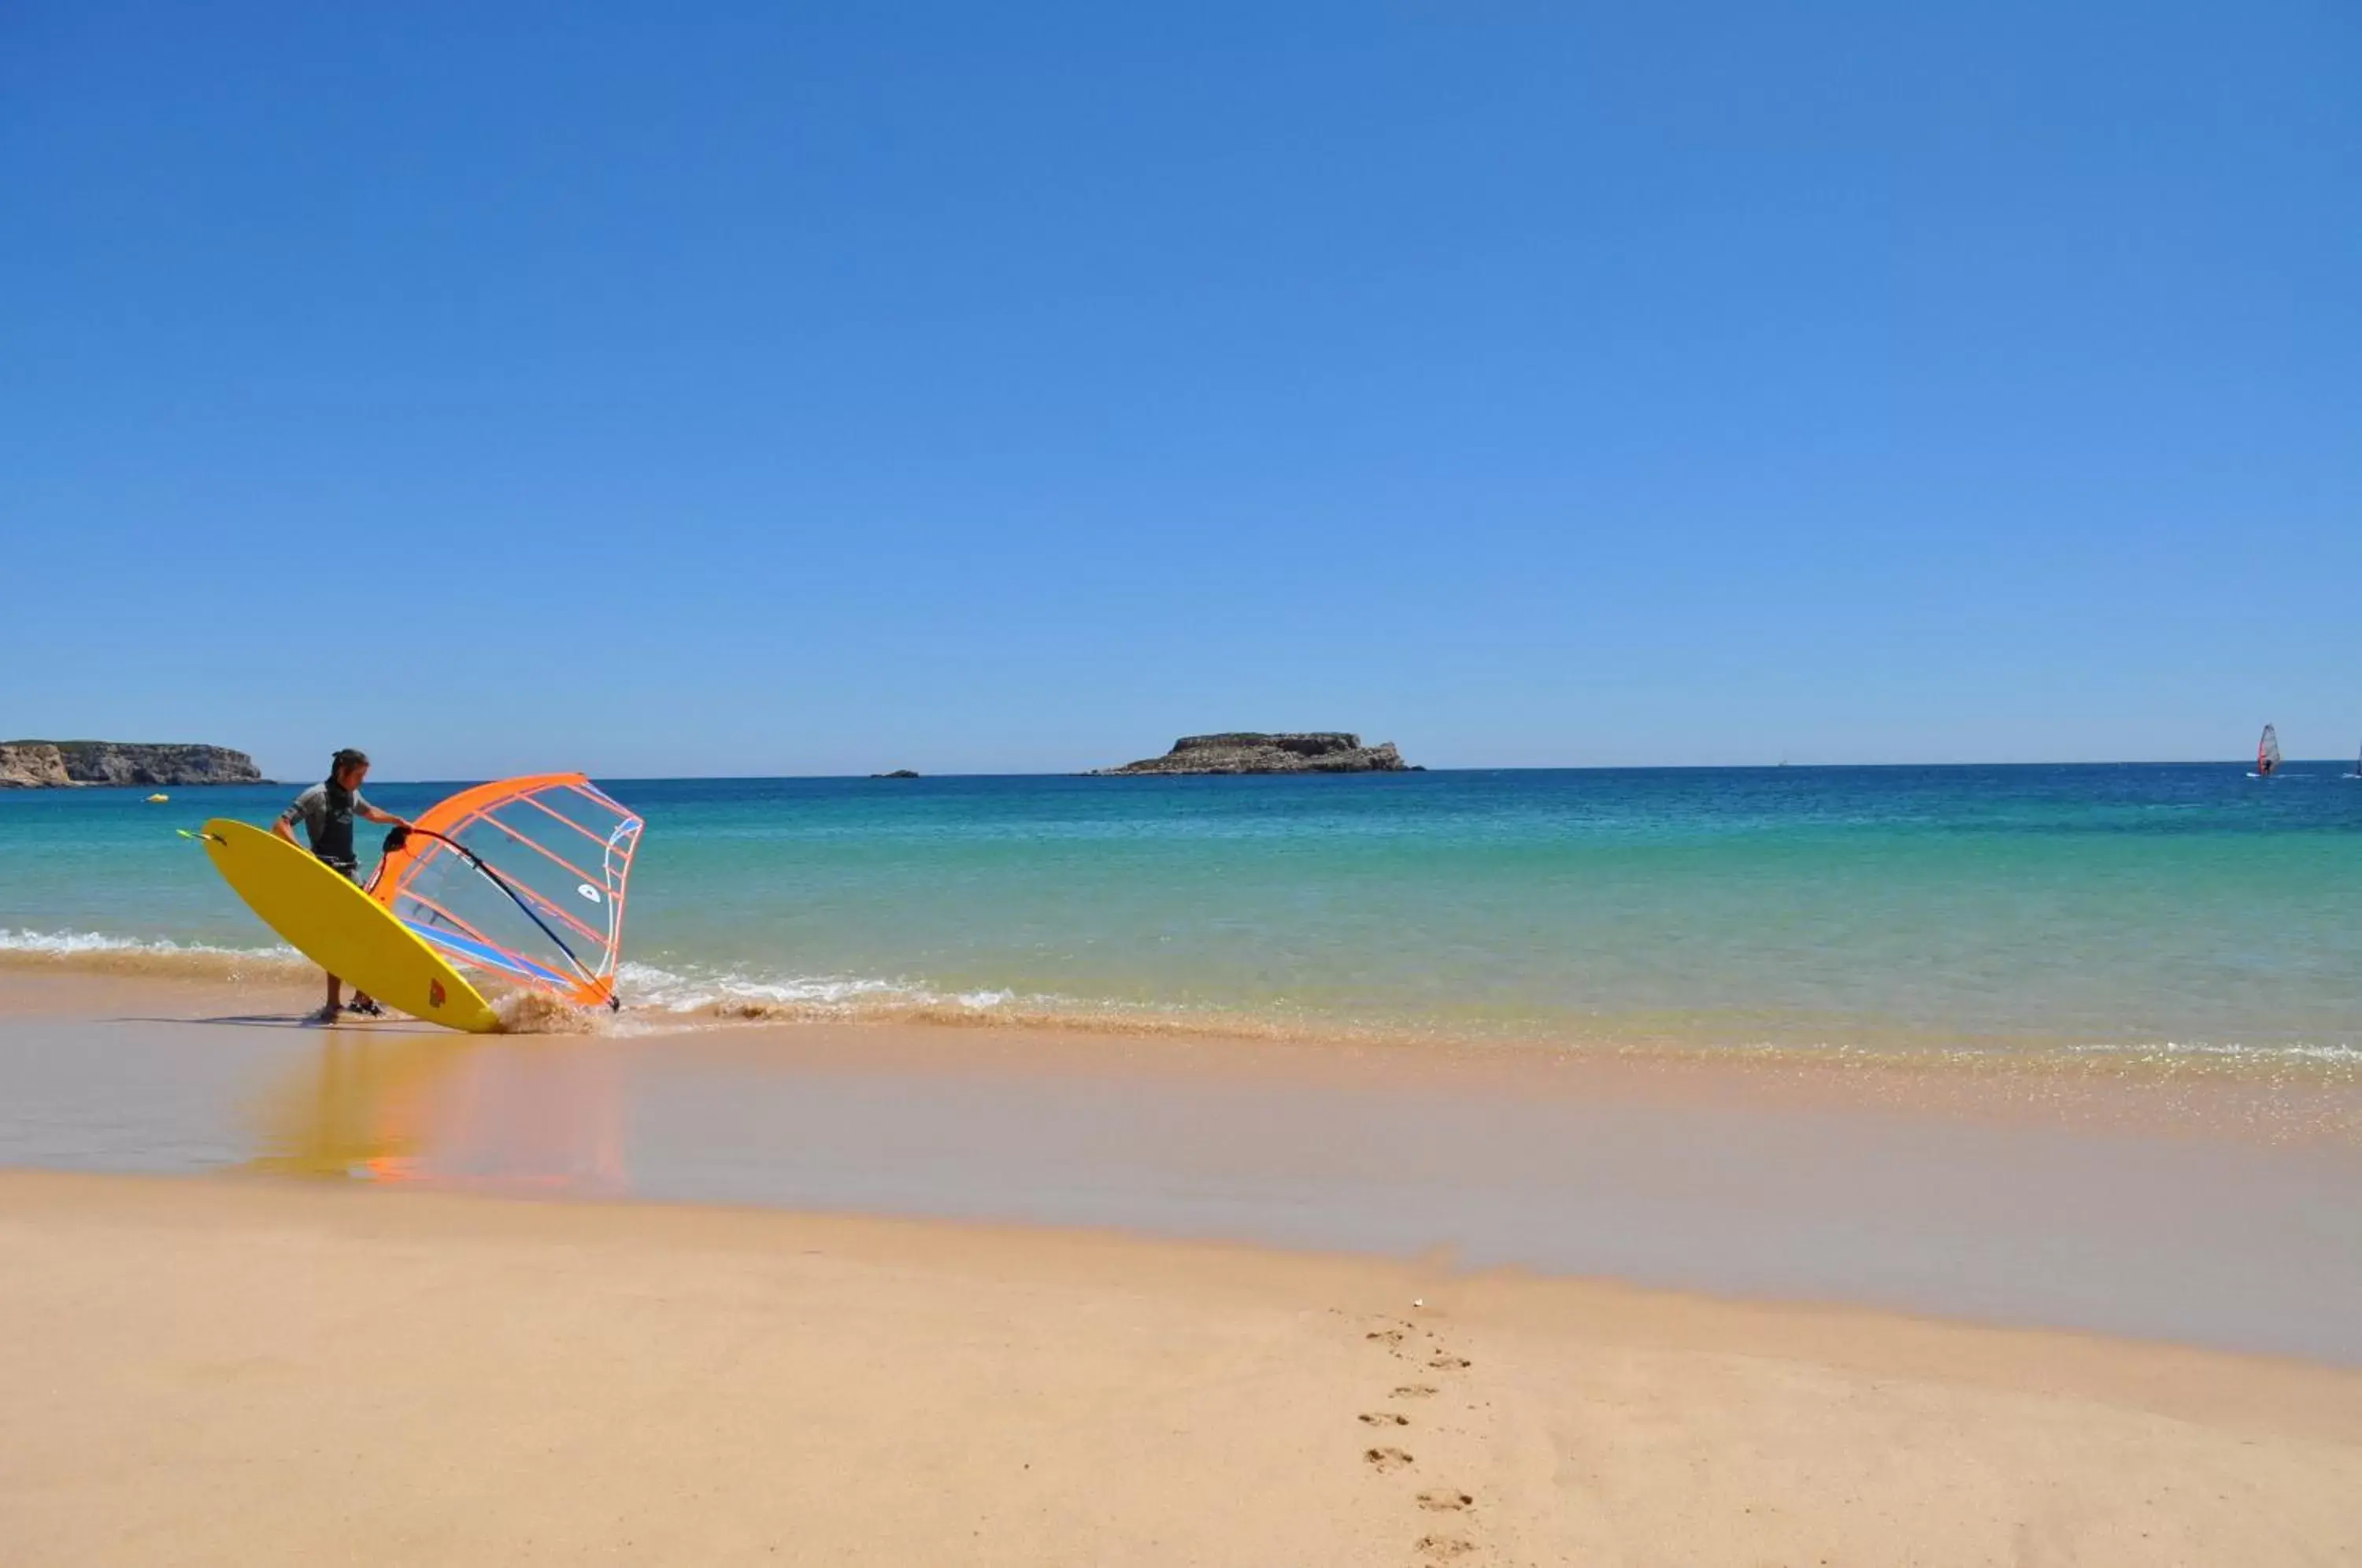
(779, 388)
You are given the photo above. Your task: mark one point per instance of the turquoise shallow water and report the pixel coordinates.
(2135, 909)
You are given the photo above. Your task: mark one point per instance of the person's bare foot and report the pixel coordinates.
(325, 1015)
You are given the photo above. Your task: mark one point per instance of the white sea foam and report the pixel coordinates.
(646, 984)
(736, 993)
(70, 943)
(126, 955)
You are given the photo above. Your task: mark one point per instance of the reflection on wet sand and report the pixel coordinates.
(512, 1114)
(1729, 1178)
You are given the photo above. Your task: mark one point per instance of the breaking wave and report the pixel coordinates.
(675, 996)
(91, 952)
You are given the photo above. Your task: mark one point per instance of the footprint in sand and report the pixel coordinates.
(1413, 1391)
(1385, 1459)
(1388, 1336)
(1443, 1501)
(1444, 1548)
(1450, 1362)
(1383, 1419)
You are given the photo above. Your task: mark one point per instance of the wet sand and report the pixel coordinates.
(232, 1371)
(2206, 1212)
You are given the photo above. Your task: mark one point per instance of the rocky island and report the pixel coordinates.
(1245, 751)
(67, 765)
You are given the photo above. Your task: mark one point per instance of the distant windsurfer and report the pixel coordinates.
(328, 809)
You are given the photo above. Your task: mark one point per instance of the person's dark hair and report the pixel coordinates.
(345, 758)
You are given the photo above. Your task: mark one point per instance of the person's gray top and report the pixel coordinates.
(312, 807)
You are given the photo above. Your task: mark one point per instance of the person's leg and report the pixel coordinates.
(361, 1002)
(335, 1000)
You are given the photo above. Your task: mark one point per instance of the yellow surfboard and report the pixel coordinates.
(342, 928)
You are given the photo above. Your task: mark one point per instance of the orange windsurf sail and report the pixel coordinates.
(525, 879)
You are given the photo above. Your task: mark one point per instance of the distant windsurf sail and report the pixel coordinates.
(525, 879)
(2268, 753)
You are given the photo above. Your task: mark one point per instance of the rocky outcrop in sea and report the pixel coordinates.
(65, 765)
(1245, 751)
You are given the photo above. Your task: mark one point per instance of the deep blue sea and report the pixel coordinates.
(2128, 910)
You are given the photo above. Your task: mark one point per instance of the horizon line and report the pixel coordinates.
(1066, 773)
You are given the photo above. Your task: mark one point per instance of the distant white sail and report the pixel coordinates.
(2267, 752)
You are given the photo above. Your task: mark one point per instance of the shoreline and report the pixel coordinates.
(383, 1376)
(2304, 1095)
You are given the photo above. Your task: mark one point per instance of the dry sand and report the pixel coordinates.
(221, 1370)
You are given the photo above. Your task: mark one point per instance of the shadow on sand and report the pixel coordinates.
(356, 1024)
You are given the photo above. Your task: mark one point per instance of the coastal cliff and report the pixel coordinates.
(1330, 751)
(65, 765)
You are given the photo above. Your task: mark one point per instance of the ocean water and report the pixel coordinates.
(2132, 912)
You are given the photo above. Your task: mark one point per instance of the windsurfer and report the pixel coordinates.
(328, 809)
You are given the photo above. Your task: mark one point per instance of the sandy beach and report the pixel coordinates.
(228, 1371)
(890, 1296)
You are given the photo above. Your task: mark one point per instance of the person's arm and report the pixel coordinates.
(370, 813)
(284, 825)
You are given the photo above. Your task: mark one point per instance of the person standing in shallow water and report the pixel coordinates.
(327, 811)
